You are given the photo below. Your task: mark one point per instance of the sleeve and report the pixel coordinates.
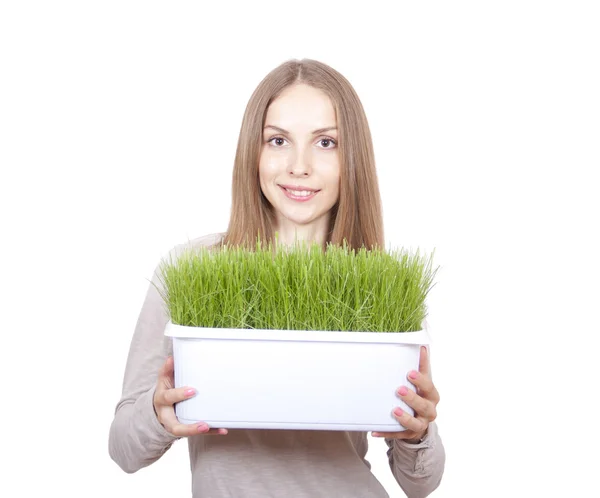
(136, 437)
(361, 445)
(418, 468)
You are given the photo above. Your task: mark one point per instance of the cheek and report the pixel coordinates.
(337, 190)
(264, 167)
(269, 165)
(333, 174)
(336, 181)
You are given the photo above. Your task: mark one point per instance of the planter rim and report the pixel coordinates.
(187, 332)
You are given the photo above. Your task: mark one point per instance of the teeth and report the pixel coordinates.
(300, 193)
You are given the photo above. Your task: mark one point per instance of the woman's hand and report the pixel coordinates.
(165, 396)
(423, 402)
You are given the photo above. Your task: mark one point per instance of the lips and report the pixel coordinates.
(299, 188)
(298, 198)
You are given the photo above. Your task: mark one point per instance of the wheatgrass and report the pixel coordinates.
(304, 287)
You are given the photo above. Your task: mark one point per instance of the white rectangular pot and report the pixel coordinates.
(293, 379)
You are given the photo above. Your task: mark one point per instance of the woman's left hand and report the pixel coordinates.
(423, 402)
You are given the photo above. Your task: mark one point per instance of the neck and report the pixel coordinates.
(289, 233)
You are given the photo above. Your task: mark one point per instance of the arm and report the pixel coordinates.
(418, 468)
(136, 437)
(418, 465)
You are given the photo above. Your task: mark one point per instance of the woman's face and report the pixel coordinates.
(300, 152)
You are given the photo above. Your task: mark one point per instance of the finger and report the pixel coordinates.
(420, 405)
(396, 435)
(166, 372)
(171, 396)
(424, 386)
(410, 423)
(203, 429)
(172, 425)
(167, 367)
(424, 361)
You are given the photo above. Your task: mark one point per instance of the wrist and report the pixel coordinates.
(418, 439)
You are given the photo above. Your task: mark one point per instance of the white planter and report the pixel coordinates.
(290, 379)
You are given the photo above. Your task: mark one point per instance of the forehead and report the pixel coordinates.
(301, 107)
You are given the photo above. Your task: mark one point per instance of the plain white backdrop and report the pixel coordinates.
(118, 128)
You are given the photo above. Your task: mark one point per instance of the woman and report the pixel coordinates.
(304, 168)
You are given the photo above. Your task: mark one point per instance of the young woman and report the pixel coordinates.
(304, 168)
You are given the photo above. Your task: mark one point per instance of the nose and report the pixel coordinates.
(300, 164)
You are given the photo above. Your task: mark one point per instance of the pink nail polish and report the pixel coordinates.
(190, 392)
(413, 374)
(398, 411)
(403, 391)
(203, 428)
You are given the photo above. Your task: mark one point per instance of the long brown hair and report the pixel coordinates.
(357, 216)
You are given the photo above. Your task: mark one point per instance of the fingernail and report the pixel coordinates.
(398, 411)
(413, 374)
(403, 391)
(203, 427)
(375, 434)
(190, 392)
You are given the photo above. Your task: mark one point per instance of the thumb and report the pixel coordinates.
(166, 371)
(424, 361)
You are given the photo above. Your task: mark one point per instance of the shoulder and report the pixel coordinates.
(204, 241)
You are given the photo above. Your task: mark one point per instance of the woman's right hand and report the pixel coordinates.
(165, 396)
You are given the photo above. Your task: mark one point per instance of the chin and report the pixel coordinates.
(300, 221)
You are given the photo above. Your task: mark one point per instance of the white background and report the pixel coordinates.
(118, 127)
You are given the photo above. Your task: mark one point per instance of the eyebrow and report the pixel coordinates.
(316, 132)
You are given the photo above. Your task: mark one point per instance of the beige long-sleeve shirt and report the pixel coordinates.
(254, 463)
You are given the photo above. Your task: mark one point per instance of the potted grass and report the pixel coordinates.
(302, 338)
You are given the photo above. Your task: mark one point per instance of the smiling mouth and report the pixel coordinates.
(299, 195)
(302, 193)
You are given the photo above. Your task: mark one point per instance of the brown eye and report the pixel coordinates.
(327, 142)
(278, 141)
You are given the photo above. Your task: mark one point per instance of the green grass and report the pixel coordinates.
(302, 288)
